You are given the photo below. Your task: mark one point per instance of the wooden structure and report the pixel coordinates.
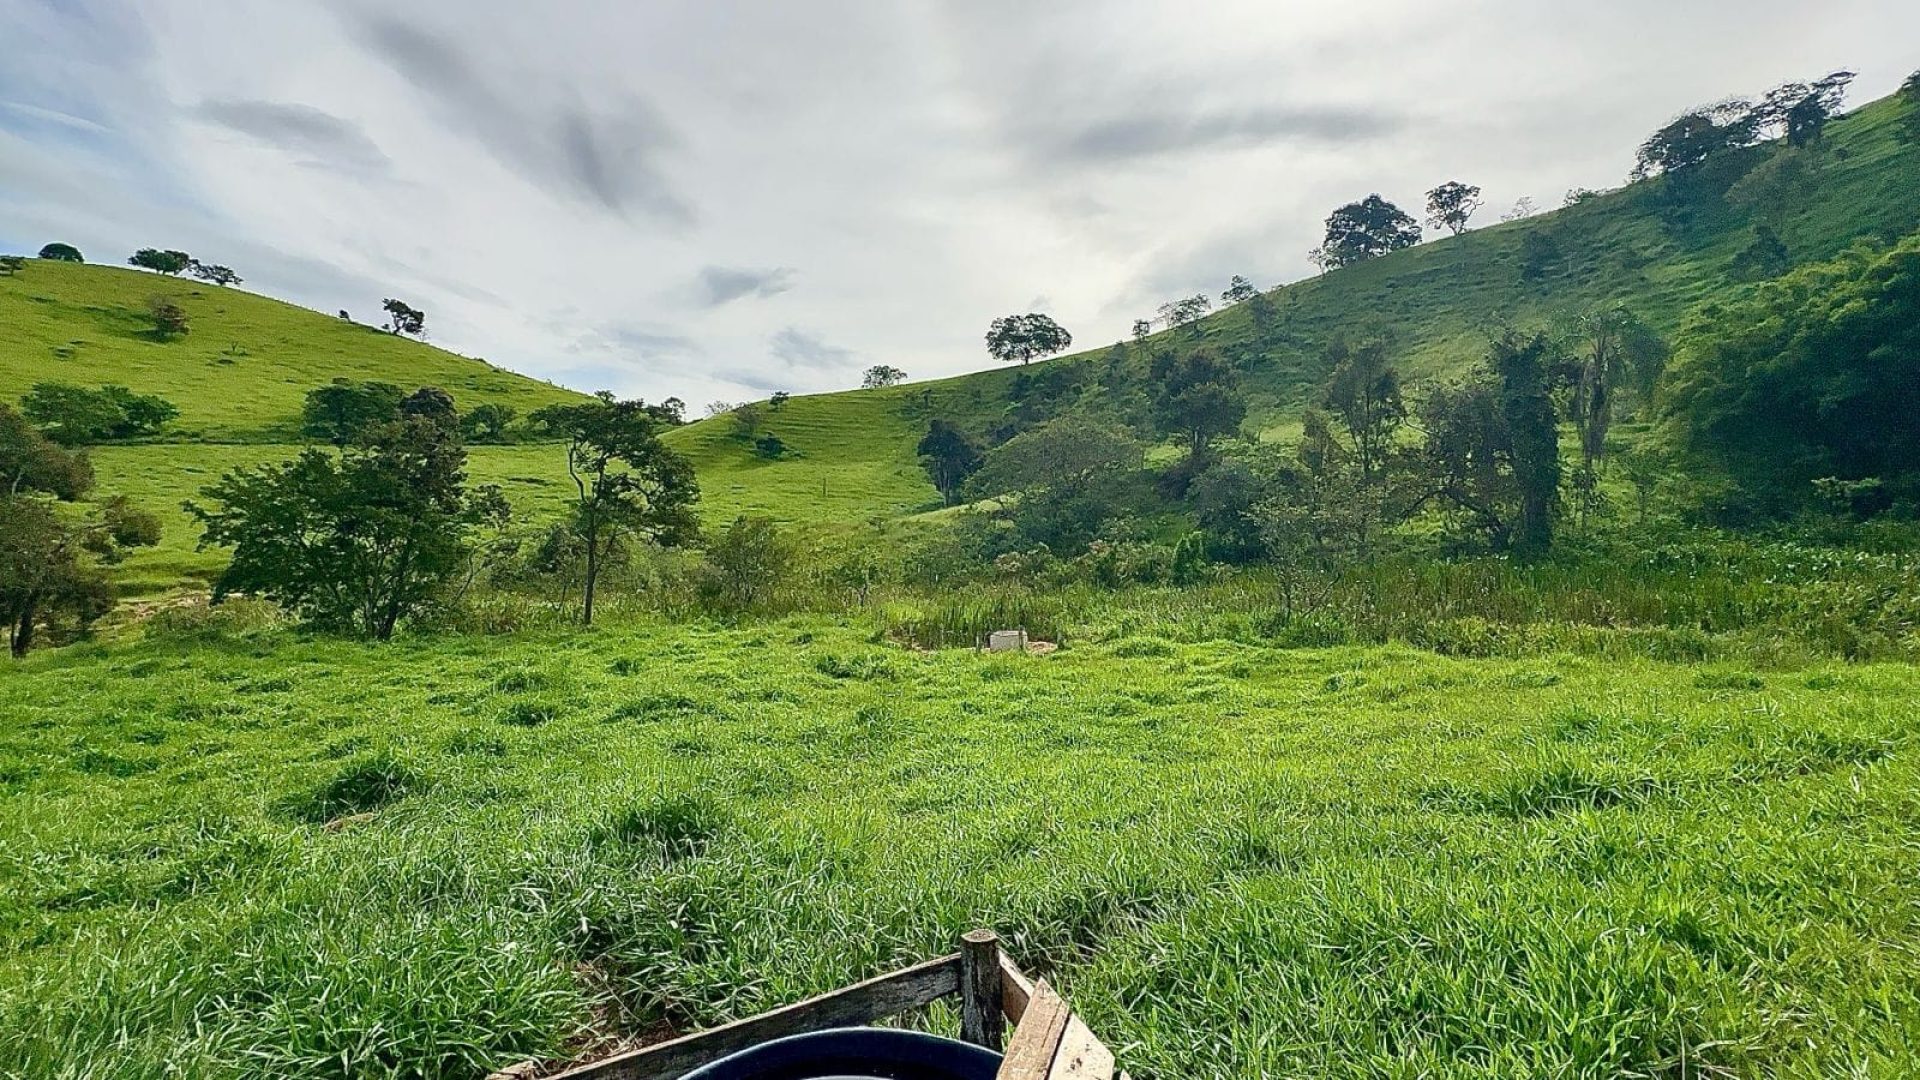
(1048, 1041)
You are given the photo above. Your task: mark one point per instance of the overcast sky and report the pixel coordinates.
(722, 198)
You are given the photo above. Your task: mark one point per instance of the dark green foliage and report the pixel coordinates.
(778, 401)
(950, 457)
(12, 264)
(165, 262)
(76, 415)
(1695, 138)
(880, 376)
(1186, 312)
(1766, 257)
(1222, 499)
(769, 447)
(1816, 374)
(488, 423)
(1492, 452)
(1238, 290)
(1800, 111)
(52, 574)
(1026, 337)
(340, 412)
(1364, 394)
(1910, 97)
(745, 564)
(169, 318)
(1367, 230)
(1196, 398)
(629, 485)
(213, 272)
(61, 253)
(403, 318)
(1451, 204)
(1070, 478)
(1524, 368)
(357, 541)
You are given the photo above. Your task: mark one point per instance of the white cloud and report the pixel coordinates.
(715, 197)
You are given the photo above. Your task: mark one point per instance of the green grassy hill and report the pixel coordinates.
(239, 374)
(1437, 304)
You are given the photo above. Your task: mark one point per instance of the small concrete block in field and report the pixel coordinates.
(1007, 641)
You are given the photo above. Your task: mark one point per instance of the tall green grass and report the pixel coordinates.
(238, 851)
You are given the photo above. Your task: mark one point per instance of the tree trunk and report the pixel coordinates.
(593, 572)
(22, 638)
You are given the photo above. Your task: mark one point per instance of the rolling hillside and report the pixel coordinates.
(1437, 304)
(239, 376)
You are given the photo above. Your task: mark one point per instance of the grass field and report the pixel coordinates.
(240, 373)
(1238, 860)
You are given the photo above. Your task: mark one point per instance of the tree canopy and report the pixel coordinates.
(76, 415)
(1026, 337)
(403, 318)
(1813, 375)
(1366, 230)
(58, 252)
(881, 375)
(52, 562)
(1451, 204)
(629, 484)
(950, 457)
(165, 262)
(357, 540)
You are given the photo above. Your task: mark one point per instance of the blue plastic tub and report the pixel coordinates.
(856, 1054)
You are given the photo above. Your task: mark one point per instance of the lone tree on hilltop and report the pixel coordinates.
(12, 264)
(1800, 111)
(1186, 312)
(630, 484)
(165, 262)
(880, 375)
(57, 252)
(1365, 230)
(213, 272)
(1238, 289)
(1694, 138)
(403, 318)
(1451, 204)
(1026, 337)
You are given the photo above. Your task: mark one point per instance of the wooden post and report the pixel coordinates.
(982, 1016)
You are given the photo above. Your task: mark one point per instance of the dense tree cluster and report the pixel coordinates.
(53, 564)
(58, 252)
(357, 540)
(78, 416)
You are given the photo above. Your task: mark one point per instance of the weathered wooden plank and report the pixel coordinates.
(1082, 1056)
(863, 1003)
(982, 1014)
(1031, 1051)
(1015, 989)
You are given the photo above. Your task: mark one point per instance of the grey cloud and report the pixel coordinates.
(650, 342)
(1150, 134)
(608, 159)
(799, 349)
(724, 284)
(300, 129)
